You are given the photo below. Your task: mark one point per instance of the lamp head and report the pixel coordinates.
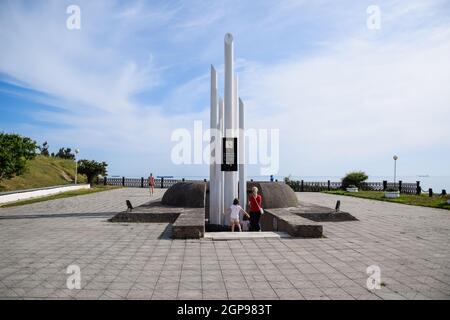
(395, 157)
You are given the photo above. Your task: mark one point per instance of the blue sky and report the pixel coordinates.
(343, 97)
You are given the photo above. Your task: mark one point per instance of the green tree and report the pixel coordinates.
(91, 169)
(65, 153)
(15, 150)
(354, 178)
(44, 149)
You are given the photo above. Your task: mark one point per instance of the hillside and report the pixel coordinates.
(43, 172)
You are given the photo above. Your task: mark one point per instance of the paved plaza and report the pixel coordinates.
(410, 245)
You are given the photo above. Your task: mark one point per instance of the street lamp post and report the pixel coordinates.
(395, 169)
(76, 164)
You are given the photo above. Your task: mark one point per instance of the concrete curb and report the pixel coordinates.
(33, 193)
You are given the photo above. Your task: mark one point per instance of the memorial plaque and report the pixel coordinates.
(229, 152)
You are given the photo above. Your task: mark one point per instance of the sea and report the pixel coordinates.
(437, 183)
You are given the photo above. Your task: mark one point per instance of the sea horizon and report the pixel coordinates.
(437, 183)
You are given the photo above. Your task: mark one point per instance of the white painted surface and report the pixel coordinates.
(219, 165)
(245, 235)
(214, 214)
(230, 177)
(11, 197)
(391, 194)
(241, 153)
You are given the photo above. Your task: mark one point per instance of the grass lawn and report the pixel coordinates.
(60, 196)
(423, 200)
(43, 172)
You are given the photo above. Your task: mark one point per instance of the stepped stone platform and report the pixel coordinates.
(190, 224)
(245, 235)
(183, 205)
(187, 223)
(150, 212)
(301, 221)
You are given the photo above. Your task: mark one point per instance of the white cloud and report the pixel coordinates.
(363, 98)
(347, 101)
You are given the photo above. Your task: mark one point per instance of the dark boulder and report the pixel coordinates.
(186, 194)
(274, 194)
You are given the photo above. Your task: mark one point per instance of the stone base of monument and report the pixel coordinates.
(187, 223)
(282, 219)
(153, 212)
(245, 235)
(302, 221)
(183, 205)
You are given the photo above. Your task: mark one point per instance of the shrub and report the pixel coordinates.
(65, 153)
(295, 185)
(44, 149)
(391, 189)
(91, 169)
(354, 178)
(15, 150)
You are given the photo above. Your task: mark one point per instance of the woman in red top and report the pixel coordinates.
(254, 202)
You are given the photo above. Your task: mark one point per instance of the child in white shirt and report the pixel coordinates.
(235, 210)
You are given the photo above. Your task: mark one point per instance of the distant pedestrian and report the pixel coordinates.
(255, 201)
(235, 210)
(151, 183)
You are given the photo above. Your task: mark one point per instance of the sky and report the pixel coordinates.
(342, 95)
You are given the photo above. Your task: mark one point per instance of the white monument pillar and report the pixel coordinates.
(236, 130)
(220, 179)
(229, 176)
(214, 214)
(241, 154)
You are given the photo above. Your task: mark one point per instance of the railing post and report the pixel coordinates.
(418, 188)
(329, 185)
(430, 192)
(123, 181)
(162, 182)
(400, 186)
(301, 186)
(384, 185)
(104, 181)
(142, 182)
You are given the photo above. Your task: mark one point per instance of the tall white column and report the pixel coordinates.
(229, 176)
(242, 173)
(219, 162)
(214, 215)
(236, 130)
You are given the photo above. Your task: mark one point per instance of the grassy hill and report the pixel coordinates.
(43, 172)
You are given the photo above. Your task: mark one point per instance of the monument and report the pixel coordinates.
(227, 166)
(185, 204)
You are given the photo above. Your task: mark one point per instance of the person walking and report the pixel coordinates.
(256, 210)
(151, 183)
